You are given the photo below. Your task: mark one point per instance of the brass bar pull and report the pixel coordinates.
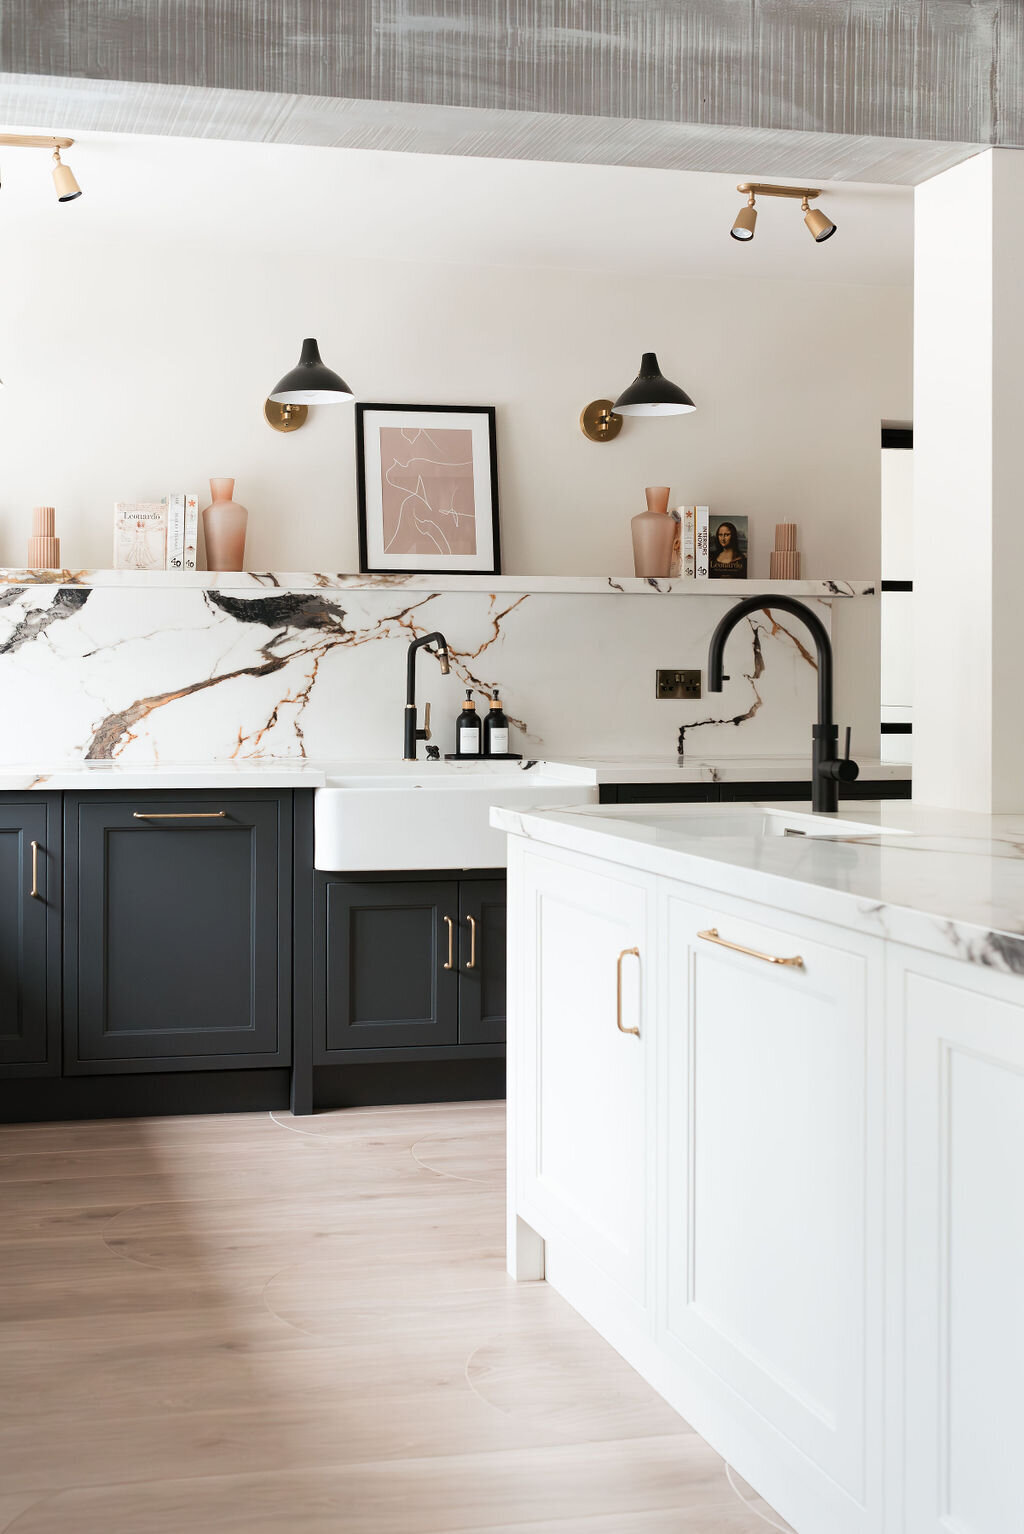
(34, 891)
(180, 815)
(618, 990)
(472, 942)
(711, 936)
(451, 943)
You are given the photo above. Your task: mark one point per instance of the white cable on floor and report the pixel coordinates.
(771, 1522)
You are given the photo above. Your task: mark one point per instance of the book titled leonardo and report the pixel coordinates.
(140, 535)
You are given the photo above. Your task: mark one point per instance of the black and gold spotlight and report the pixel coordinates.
(820, 225)
(746, 218)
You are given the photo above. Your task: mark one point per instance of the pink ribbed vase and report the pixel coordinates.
(224, 525)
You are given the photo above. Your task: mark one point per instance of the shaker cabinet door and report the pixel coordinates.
(578, 1072)
(963, 1135)
(482, 961)
(387, 964)
(773, 1067)
(178, 932)
(29, 936)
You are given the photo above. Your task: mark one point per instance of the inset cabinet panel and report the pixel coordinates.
(389, 963)
(29, 935)
(178, 930)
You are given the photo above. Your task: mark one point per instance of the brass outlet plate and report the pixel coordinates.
(284, 417)
(678, 684)
(598, 421)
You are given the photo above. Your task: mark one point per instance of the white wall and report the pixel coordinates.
(135, 362)
(968, 529)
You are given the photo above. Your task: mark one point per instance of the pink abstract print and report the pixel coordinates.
(427, 490)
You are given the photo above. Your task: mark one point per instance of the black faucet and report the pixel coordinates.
(828, 769)
(412, 734)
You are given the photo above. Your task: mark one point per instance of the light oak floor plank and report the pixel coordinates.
(252, 1324)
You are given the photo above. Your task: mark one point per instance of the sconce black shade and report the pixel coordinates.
(651, 393)
(311, 382)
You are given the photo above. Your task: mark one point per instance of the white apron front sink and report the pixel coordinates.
(410, 815)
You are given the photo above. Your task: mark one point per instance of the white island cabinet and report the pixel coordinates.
(794, 1197)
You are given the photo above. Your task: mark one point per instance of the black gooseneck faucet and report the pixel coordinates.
(412, 733)
(828, 769)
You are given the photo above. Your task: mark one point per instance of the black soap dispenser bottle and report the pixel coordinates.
(496, 729)
(469, 734)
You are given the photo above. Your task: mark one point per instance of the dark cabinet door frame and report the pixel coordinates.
(260, 825)
(30, 1027)
(482, 961)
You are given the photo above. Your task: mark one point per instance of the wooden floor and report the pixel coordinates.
(254, 1323)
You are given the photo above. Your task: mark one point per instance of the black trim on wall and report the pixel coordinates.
(898, 436)
(897, 585)
(896, 728)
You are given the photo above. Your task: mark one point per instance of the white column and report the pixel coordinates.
(968, 497)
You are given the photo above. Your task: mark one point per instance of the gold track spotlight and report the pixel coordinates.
(67, 187)
(821, 226)
(746, 218)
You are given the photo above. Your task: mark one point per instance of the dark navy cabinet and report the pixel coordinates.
(30, 894)
(178, 931)
(412, 963)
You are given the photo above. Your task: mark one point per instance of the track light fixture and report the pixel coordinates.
(746, 218)
(820, 226)
(66, 186)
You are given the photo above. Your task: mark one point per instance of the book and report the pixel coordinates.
(727, 545)
(191, 530)
(701, 547)
(683, 561)
(175, 504)
(140, 535)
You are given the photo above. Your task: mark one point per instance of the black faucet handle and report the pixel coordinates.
(841, 769)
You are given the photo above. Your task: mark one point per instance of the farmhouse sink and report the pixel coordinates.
(408, 815)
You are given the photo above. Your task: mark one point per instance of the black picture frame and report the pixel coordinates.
(491, 564)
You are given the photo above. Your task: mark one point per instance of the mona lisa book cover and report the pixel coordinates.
(727, 548)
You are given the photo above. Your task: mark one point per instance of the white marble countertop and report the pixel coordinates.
(285, 772)
(949, 882)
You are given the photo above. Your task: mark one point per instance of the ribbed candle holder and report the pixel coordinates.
(43, 547)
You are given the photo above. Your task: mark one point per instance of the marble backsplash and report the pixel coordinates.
(190, 675)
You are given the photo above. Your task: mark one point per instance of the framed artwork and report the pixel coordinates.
(427, 479)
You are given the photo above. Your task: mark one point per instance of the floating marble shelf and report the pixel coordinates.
(299, 581)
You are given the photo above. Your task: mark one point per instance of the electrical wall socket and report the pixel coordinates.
(678, 684)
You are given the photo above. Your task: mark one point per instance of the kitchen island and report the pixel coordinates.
(766, 1133)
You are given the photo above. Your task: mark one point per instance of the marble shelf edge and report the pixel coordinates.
(309, 581)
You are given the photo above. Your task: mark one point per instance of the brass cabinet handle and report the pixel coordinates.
(711, 936)
(451, 943)
(472, 942)
(180, 815)
(34, 891)
(618, 990)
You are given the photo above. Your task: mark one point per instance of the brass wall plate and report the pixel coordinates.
(284, 417)
(598, 421)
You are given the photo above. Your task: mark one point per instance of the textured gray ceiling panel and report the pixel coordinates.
(941, 70)
(81, 106)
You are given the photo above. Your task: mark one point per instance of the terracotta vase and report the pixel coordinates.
(654, 533)
(224, 524)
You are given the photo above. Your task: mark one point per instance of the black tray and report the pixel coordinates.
(505, 756)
